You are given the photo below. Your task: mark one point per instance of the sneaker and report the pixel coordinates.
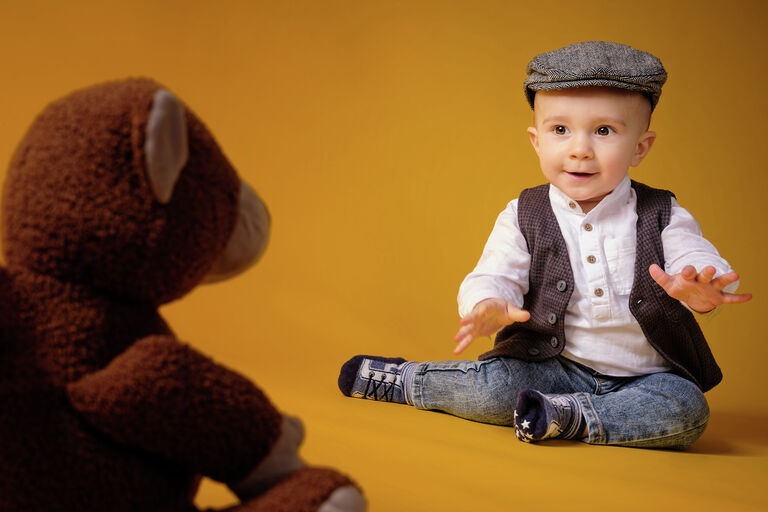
(373, 378)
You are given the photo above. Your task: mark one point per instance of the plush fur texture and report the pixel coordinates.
(101, 407)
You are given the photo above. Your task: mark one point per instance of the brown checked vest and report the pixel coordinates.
(669, 327)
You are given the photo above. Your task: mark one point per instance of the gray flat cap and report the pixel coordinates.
(596, 63)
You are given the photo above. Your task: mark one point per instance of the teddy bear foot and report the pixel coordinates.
(282, 460)
(344, 499)
(308, 490)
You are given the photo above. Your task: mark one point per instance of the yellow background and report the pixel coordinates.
(386, 137)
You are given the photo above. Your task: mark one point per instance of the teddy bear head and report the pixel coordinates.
(120, 188)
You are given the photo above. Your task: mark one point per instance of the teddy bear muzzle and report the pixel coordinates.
(248, 241)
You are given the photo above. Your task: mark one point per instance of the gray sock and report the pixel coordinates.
(407, 374)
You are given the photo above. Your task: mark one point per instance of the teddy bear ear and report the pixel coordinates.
(165, 148)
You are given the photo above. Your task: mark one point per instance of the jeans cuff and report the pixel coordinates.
(596, 433)
(418, 379)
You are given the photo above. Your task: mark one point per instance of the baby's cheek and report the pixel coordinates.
(616, 164)
(550, 163)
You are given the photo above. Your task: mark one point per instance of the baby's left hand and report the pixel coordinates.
(699, 291)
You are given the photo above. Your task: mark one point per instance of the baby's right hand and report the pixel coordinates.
(487, 318)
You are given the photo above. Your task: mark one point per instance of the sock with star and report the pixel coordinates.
(539, 416)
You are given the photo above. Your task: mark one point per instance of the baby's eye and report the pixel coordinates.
(604, 130)
(560, 129)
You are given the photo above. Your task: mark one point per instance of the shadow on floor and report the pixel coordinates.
(733, 433)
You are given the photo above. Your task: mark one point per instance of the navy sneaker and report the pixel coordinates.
(539, 416)
(373, 378)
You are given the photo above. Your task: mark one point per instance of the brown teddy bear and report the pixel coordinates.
(118, 200)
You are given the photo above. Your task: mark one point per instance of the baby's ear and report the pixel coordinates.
(165, 148)
(643, 147)
(534, 135)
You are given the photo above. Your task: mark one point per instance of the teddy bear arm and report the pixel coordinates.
(166, 398)
(8, 313)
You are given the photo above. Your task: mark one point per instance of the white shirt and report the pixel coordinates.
(600, 330)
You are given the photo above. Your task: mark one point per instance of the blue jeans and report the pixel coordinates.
(661, 410)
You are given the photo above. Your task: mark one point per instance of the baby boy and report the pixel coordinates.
(589, 281)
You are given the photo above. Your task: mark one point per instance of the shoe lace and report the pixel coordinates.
(387, 388)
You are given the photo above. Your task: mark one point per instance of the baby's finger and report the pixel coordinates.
(706, 275)
(688, 273)
(517, 315)
(464, 343)
(724, 280)
(658, 275)
(464, 332)
(736, 298)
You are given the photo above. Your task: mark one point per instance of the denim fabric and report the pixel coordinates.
(661, 410)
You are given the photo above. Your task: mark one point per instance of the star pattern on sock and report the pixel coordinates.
(538, 416)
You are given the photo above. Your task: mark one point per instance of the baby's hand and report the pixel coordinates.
(486, 319)
(699, 291)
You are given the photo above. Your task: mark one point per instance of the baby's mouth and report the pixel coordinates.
(580, 175)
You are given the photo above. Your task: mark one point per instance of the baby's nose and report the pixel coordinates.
(581, 147)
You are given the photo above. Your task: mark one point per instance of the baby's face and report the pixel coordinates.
(587, 139)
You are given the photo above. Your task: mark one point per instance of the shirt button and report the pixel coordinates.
(599, 292)
(587, 227)
(591, 259)
(572, 205)
(561, 286)
(553, 341)
(533, 351)
(552, 318)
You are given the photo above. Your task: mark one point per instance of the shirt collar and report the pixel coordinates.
(618, 196)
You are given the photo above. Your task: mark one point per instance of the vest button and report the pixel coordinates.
(561, 285)
(599, 292)
(552, 318)
(587, 227)
(553, 341)
(591, 259)
(533, 351)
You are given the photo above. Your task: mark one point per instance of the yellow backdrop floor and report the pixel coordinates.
(410, 460)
